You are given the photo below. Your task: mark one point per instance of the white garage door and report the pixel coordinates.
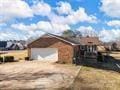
(44, 53)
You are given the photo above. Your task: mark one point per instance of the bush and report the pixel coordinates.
(63, 62)
(27, 58)
(1, 59)
(8, 59)
(99, 57)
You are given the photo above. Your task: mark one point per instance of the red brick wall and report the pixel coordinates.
(65, 50)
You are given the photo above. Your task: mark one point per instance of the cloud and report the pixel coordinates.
(104, 34)
(3, 24)
(23, 27)
(64, 8)
(16, 8)
(87, 31)
(72, 16)
(41, 8)
(20, 9)
(80, 16)
(11, 35)
(4, 19)
(52, 27)
(57, 21)
(75, 17)
(36, 30)
(114, 23)
(111, 8)
(109, 35)
(42, 26)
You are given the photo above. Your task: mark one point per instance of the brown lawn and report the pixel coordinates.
(18, 54)
(96, 79)
(115, 55)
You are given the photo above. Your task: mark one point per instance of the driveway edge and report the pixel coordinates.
(71, 84)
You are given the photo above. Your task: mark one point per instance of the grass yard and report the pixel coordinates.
(105, 76)
(96, 79)
(18, 54)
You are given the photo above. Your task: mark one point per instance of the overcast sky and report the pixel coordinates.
(21, 19)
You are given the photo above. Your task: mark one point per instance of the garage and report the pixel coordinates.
(53, 47)
(44, 53)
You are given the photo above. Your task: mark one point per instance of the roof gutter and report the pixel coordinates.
(63, 40)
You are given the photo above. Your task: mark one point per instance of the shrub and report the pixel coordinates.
(9, 59)
(19, 58)
(106, 59)
(99, 57)
(27, 58)
(63, 62)
(57, 62)
(1, 59)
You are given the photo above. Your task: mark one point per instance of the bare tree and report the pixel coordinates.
(71, 33)
(68, 33)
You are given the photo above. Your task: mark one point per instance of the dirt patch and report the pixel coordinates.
(36, 75)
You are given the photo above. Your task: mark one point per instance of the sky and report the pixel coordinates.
(22, 19)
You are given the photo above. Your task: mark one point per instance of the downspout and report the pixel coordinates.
(74, 55)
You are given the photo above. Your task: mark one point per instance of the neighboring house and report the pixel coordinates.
(15, 46)
(3, 45)
(108, 46)
(53, 47)
(9, 43)
(112, 46)
(89, 46)
(118, 45)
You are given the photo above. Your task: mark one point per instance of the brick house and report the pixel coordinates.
(53, 47)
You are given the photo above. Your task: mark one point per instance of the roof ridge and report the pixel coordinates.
(58, 37)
